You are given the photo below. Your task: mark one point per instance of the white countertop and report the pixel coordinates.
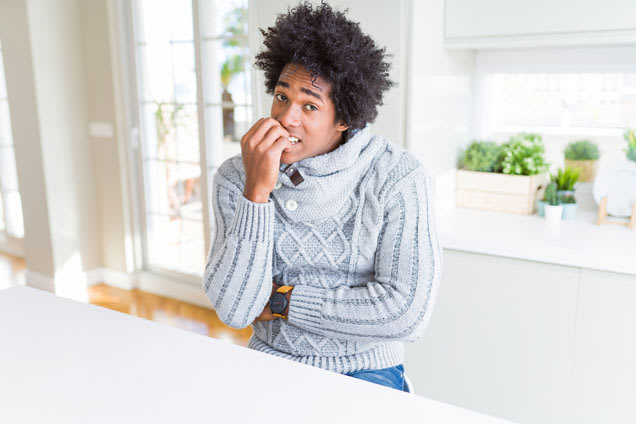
(578, 243)
(68, 362)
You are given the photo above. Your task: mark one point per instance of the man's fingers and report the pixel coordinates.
(251, 131)
(276, 149)
(259, 134)
(273, 136)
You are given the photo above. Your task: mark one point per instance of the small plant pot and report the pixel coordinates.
(588, 168)
(541, 207)
(564, 194)
(553, 213)
(569, 210)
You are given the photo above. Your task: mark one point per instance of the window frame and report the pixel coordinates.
(541, 60)
(128, 22)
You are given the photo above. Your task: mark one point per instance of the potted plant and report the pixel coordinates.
(541, 205)
(504, 177)
(583, 155)
(523, 154)
(630, 137)
(565, 179)
(482, 156)
(553, 210)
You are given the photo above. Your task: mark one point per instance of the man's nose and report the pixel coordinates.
(289, 116)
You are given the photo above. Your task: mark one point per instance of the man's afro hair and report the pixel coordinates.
(334, 48)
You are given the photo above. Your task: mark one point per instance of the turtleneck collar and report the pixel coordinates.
(341, 158)
(329, 179)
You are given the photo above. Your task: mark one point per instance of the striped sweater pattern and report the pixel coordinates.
(357, 241)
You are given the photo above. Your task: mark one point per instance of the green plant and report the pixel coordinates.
(166, 114)
(582, 150)
(235, 23)
(523, 154)
(630, 137)
(566, 178)
(482, 156)
(232, 66)
(567, 199)
(551, 194)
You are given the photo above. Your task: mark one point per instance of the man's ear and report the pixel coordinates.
(342, 127)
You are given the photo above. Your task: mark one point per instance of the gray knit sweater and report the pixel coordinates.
(357, 241)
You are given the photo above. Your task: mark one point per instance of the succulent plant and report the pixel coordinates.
(582, 150)
(551, 194)
(566, 178)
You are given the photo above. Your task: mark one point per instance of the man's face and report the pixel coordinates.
(307, 112)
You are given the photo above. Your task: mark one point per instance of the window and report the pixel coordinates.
(563, 103)
(11, 223)
(186, 134)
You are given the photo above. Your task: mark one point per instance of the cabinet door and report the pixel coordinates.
(500, 338)
(480, 23)
(604, 370)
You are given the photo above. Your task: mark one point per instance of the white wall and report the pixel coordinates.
(21, 91)
(440, 91)
(45, 67)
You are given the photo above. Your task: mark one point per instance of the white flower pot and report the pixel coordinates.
(553, 214)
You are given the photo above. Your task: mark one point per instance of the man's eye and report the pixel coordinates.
(310, 107)
(280, 97)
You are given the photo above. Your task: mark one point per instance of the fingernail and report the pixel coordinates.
(287, 149)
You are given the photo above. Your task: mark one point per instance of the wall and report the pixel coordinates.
(47, 91)
(440, 91)
(101, 115)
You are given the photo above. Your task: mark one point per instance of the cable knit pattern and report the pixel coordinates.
(360, 250)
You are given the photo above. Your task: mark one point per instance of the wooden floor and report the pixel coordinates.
(142, 304)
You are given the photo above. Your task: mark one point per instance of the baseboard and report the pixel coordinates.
(13, 247)
(39, 281)
(179, 290)
(146, 281)
(111, 277)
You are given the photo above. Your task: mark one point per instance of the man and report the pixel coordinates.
(324, 237)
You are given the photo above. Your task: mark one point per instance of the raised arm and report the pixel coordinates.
(238, 273)
(398, 303)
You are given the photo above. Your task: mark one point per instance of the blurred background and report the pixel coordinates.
(115, 114)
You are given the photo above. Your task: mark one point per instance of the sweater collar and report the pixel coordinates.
(329, 179)
(341, 158)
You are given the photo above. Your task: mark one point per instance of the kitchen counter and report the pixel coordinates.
(578, 243)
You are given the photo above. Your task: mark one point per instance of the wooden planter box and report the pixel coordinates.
(499, 192)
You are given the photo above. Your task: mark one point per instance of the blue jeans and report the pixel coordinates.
(390, 377)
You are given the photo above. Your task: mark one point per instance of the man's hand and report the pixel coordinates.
(267, 314)
(261, 149)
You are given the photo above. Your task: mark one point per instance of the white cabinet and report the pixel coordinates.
(604, 371)
(530, 342)
(500, 339)
(520, 23)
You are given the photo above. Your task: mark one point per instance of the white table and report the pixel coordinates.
(70, 362)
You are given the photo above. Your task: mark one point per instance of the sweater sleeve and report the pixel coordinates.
(238, 273)
(398, 303)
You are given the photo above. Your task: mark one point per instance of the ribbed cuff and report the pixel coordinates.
(253, 221)
(305, 306)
